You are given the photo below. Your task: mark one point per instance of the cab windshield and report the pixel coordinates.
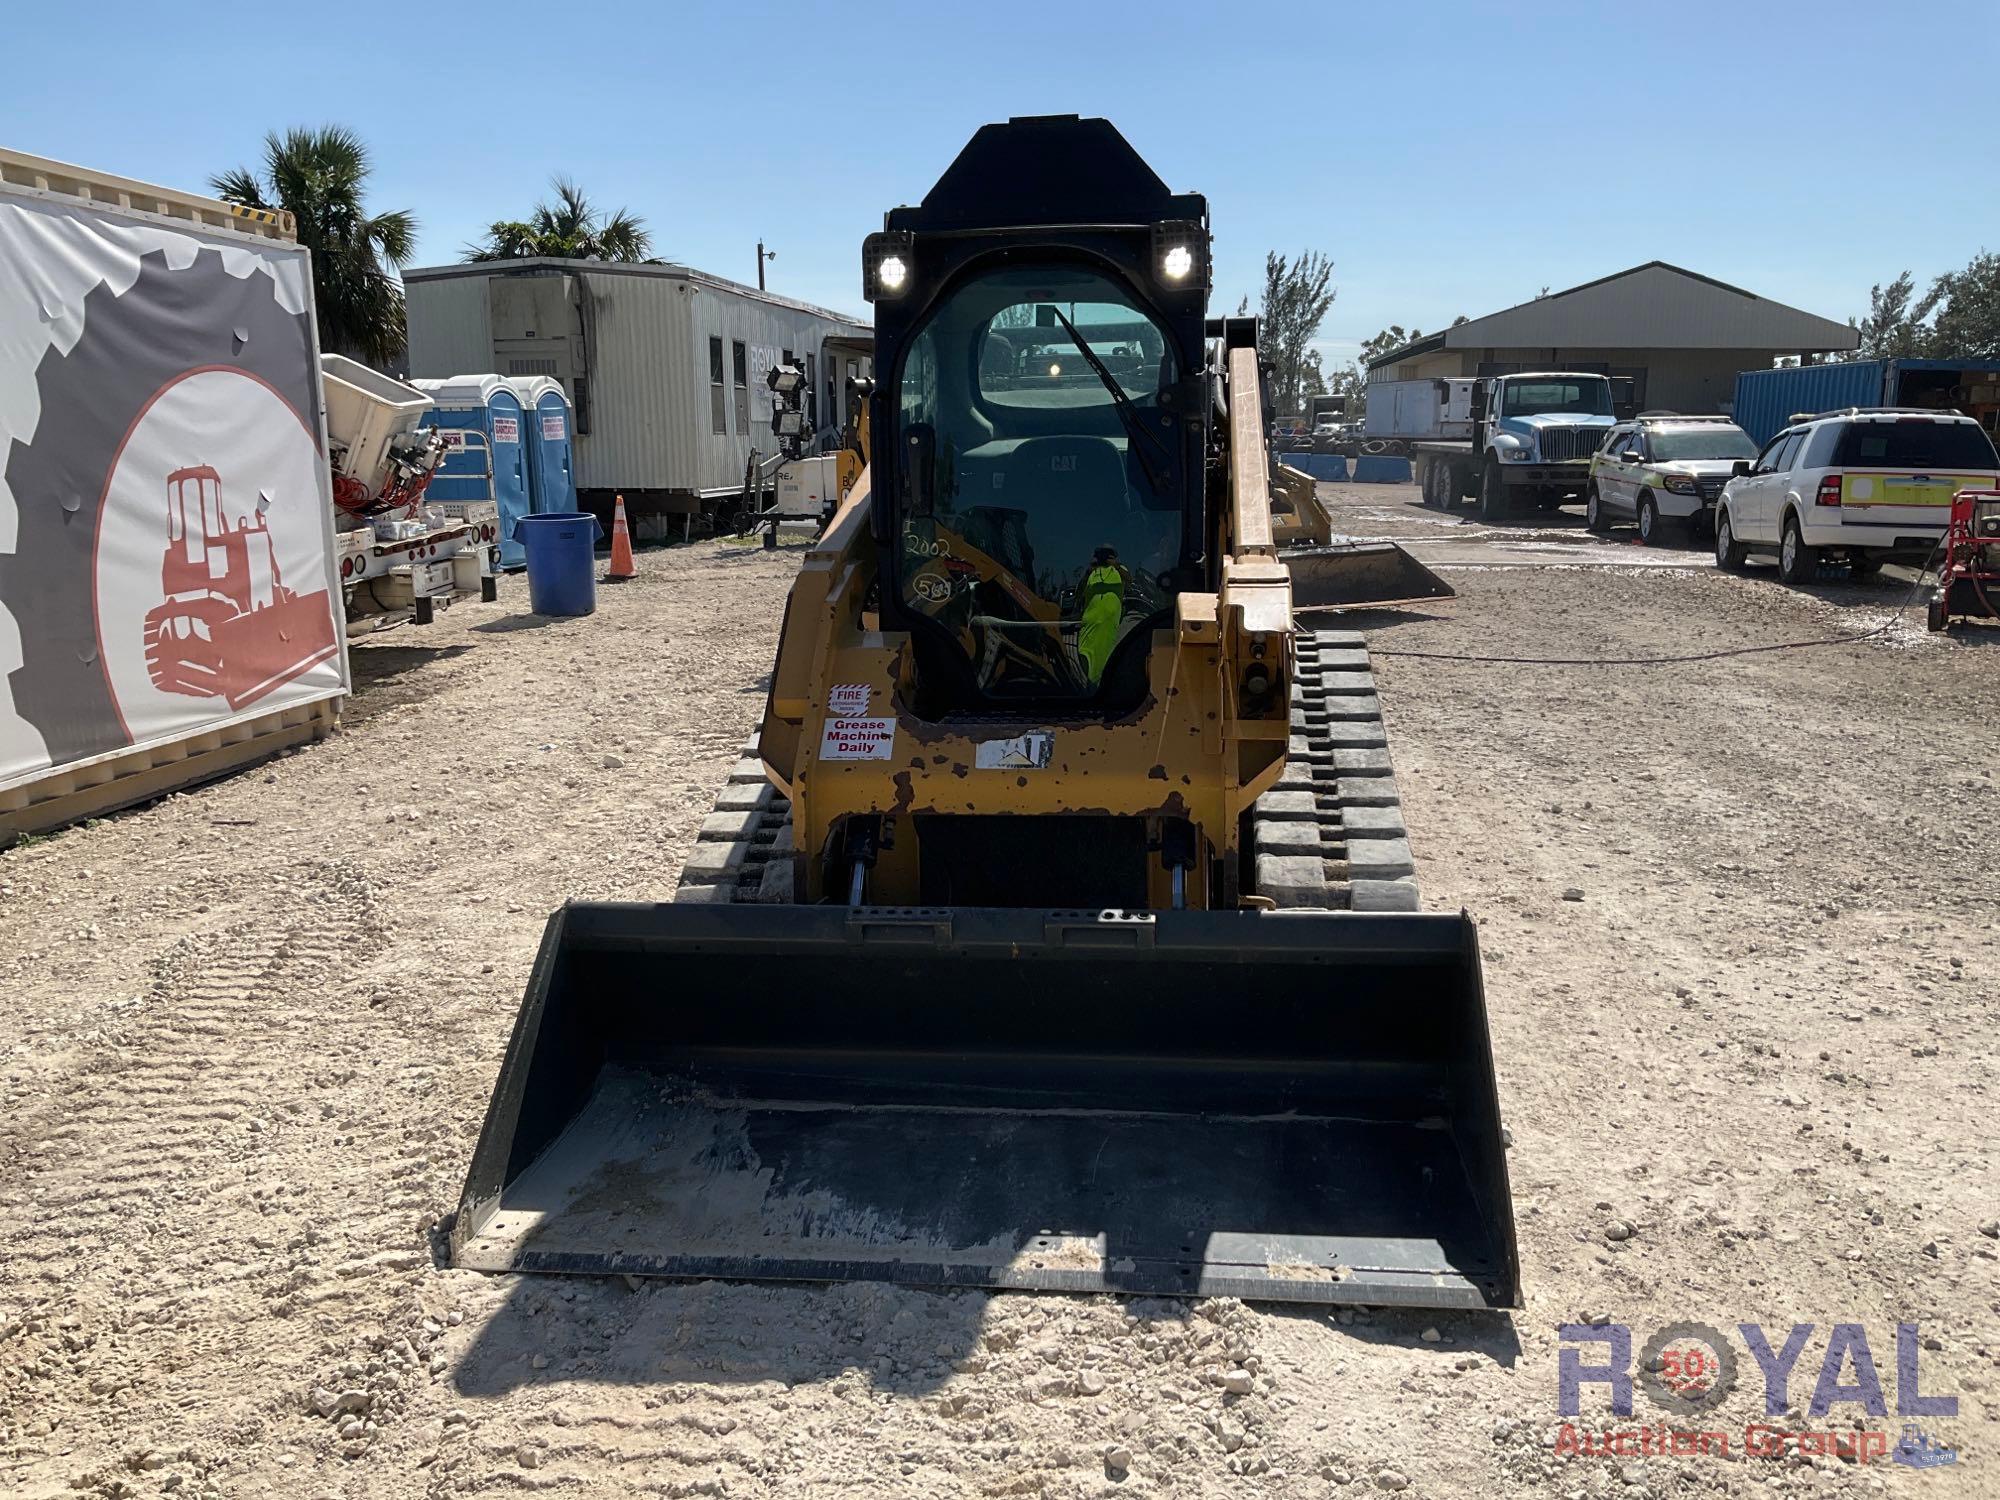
(1041, 489)
(1590, 398)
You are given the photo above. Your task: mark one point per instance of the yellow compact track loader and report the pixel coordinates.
(1059, 928)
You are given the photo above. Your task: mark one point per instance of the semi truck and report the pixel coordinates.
(1768, 401)
(1531, 437)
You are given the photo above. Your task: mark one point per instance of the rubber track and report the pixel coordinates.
(743, 849)
(1330, 835)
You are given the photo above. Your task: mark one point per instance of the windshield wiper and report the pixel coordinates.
(1136, 430)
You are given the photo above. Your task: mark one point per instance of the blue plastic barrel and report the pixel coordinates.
(562, 561)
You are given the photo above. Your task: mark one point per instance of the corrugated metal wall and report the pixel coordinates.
(450, 330)
(641, 385)
(1767, 399)
(766, 330)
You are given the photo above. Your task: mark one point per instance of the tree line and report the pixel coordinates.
(1957, 318)
(320, 177)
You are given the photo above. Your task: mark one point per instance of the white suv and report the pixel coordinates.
(1663, 472)
(1866, 484)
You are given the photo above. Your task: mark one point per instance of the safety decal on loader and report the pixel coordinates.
(1022, 752)
(857, 739)
(846, 700)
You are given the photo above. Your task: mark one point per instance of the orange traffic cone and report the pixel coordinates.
(622, 566)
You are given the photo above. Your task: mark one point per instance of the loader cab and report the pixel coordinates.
(1040, 421)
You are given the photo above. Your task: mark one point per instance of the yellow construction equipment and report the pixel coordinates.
(1058, 929)
(1331, 572)
(853, 458)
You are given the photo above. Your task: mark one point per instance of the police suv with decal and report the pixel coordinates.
(1859, 486)
(1663, 472)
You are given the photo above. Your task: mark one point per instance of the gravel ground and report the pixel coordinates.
(1740, 958)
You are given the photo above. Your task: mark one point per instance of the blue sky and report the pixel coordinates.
(1451, 157)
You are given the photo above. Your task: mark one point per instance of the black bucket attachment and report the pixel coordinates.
(1294, 1107)
(1360, 575)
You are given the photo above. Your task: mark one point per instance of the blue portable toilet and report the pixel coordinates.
(493, 467)
(551, 443)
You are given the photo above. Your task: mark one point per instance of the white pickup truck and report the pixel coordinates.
(1533, 435)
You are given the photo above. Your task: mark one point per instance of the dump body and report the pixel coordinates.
(1294, 1107)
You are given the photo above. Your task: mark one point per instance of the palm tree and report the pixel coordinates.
(568, 229)
(318, 175)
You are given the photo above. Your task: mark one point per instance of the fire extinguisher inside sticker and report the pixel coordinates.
(847, 700)
(857, 739)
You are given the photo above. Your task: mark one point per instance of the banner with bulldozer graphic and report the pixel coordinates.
(165, 510)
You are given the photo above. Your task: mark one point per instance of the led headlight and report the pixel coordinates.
(1180, 254)
(1680, 484)
(888, 264)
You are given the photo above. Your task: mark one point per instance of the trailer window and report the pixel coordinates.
(741, 357)
(718, 396)
(1915, 443)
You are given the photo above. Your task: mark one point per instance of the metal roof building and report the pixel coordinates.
(664, 365)
(1680, 337)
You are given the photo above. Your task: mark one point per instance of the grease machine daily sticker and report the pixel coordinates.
(857, 738)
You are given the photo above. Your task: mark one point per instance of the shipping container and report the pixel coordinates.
(664, 367)
(169, 599)
(1767, 400)
(496, 469)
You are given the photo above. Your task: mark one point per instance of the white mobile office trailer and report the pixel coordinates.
(665, 367)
